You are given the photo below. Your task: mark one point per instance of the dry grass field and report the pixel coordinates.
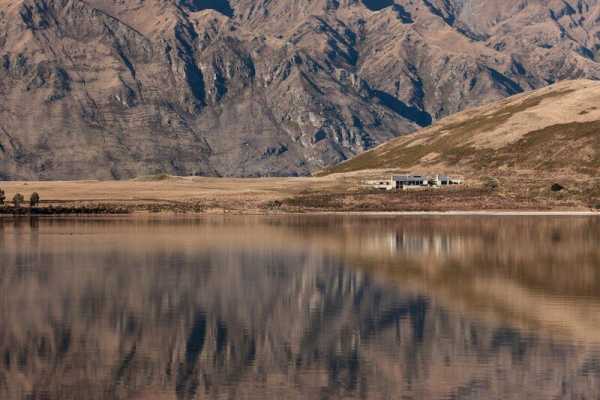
(338, 192)
(166, 193)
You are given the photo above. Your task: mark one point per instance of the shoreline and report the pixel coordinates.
(259, 213)
(499, 213)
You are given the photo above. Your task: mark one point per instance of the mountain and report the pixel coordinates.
(555, 130)
(113, 89)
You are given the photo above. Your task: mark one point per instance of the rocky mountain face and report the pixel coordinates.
(121, 88)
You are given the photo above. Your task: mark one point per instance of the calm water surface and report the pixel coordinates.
(300, 308)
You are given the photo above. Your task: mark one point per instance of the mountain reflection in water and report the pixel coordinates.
(300, 308)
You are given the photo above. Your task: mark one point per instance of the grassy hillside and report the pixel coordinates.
(555, 130)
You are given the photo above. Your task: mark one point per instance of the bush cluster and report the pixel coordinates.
(18, 199)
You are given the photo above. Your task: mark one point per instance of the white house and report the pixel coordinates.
(414, 181)
(443, 180)
(409, 181)
(381, 184)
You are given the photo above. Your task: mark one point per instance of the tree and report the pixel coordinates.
(18, 200)
(2, 197)
(34, 200)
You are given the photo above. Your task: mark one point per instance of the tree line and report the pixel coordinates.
(18, 199)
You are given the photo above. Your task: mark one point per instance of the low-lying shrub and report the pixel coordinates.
(490, 183)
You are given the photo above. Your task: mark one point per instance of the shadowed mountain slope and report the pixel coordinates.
(115, 89)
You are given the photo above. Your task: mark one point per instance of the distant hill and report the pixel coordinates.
(555, 129)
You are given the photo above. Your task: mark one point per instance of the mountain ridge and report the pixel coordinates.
(115, 89)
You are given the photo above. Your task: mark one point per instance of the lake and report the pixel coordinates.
(300, 307)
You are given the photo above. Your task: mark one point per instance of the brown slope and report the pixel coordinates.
(555, 129)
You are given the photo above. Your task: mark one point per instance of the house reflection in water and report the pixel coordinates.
(415, 244)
